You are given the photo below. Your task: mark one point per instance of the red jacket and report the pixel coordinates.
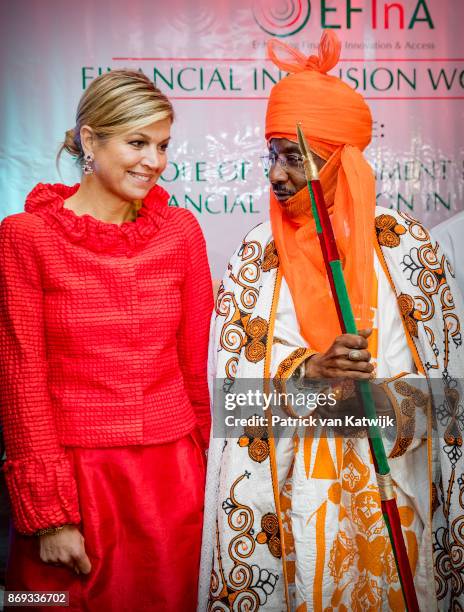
(103, 341)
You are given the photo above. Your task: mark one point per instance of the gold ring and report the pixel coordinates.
(355, 355)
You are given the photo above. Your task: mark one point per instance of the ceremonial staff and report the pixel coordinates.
(348, 325)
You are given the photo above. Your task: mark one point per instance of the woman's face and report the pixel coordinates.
(129, 164)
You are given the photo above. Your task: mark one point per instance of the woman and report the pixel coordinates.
(104, 312)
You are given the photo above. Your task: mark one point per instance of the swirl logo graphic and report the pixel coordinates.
(281, 17)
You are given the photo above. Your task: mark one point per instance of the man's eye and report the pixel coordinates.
(294, 160)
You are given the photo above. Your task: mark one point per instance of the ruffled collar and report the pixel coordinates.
(126, 239)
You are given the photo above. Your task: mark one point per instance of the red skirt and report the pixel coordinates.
(142, 516)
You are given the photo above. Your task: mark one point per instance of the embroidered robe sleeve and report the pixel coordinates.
(406, 388)
(197, 304)
(38, 474)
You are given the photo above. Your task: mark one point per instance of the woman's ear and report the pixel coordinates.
(87, 139)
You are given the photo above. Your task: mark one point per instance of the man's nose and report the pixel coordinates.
(277, 174)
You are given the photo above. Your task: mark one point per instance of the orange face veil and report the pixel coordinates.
(337, 124)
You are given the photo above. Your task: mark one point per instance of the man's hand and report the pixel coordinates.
(335, 363)
(65, 547)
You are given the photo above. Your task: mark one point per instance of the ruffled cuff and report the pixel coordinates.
(43, 492)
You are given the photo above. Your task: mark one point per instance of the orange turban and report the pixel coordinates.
(337, 124)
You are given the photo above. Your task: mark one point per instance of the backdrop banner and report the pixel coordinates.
(209, 57)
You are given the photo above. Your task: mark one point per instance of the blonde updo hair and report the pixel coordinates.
(115, 102)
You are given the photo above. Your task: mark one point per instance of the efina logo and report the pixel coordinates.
(287, 17)
(281, 17)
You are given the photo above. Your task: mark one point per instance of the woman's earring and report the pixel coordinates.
(87, 166)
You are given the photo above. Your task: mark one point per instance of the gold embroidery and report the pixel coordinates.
(409, 313)
(290, 363)
(237, 305)
(435, 498)
(256, 330)
(270, 534)
(271, 258)
(388, 231)
(405, 412)
(255, 438)
(258, 450)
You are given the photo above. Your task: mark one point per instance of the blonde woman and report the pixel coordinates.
(105, 303)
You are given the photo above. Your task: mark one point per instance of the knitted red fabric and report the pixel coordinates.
(103, 341)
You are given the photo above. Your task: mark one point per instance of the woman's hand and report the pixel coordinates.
(65, 547)
(335, 363)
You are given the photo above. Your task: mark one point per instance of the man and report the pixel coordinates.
(295, 523)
